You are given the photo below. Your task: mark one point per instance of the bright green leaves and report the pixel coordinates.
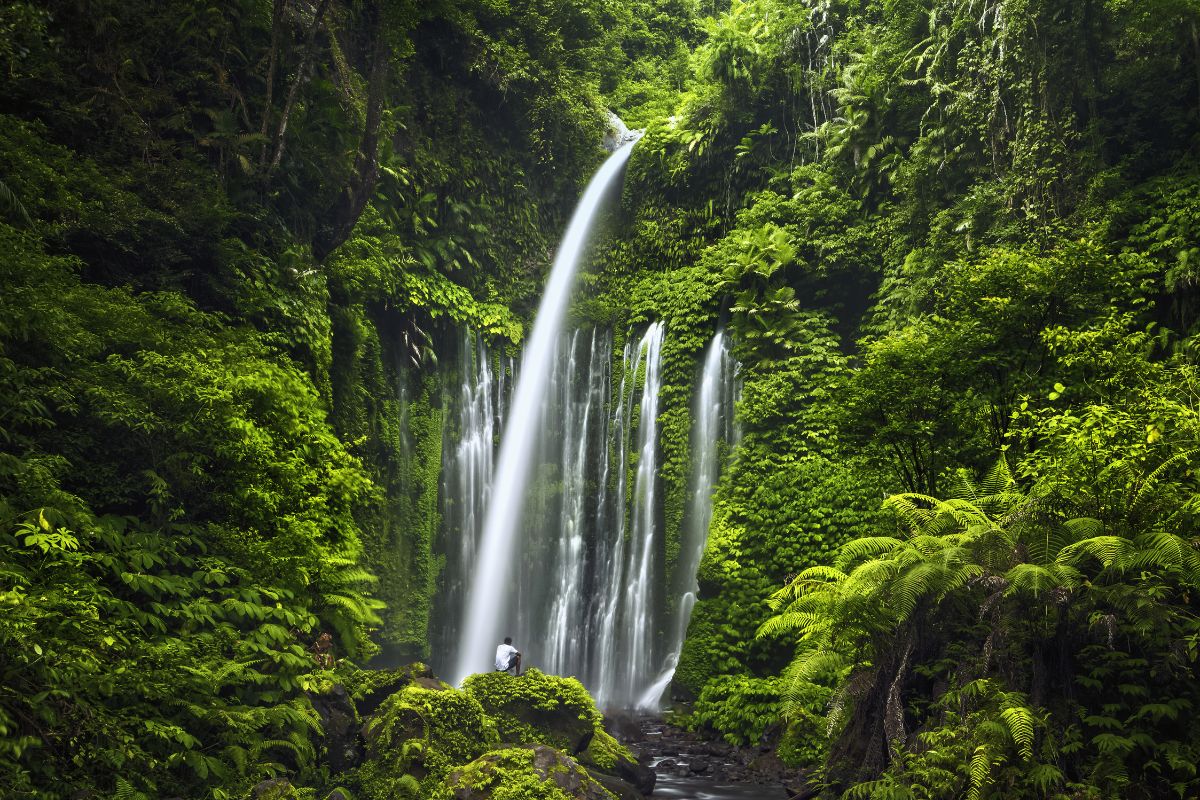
(191, 526)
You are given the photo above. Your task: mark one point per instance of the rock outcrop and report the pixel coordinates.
(517, 773)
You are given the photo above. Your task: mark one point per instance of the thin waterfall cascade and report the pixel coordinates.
(635, 662)
(482, 380)
(493, 583)
(713, 435)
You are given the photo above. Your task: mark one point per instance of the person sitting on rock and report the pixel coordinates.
(508, 658)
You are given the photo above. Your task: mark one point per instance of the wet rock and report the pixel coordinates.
(622, 789)
(625, 728)
(638, 774)
(340, 746)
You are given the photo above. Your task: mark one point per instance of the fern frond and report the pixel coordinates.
(998, 480)
(13, 205)
(856, 550)
(1166, 551)
(1110, 551)
(1020, 722)
(1031, 579)
(914, 510)
(1144, 489)
(980, 771)
(801, 624)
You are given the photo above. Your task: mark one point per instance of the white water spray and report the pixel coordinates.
(493, 568)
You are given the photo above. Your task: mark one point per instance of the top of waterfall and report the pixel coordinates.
(618, 133)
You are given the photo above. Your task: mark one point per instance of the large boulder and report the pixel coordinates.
(417, 735)
(370, 687)
(535, 708)
(635, 773)
(536, 772)
(622, 790)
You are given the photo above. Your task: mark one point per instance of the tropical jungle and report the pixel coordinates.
(818, 379)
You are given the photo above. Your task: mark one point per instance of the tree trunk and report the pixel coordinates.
(354, 197)
(294, 89)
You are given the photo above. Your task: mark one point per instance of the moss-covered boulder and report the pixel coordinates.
(417, 736)
(368, 688)
(535, 708)
(536, 772)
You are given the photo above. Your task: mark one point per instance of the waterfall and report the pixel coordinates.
(492, 578)
(565, 636)
(467, 465)
(588, 595)
(712, 426)
(636, 635)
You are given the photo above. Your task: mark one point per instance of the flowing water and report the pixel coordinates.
(492, 576)
(557, 540)
(712, 430)
(589, 595)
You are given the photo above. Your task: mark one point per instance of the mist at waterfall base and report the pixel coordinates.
(576, 573)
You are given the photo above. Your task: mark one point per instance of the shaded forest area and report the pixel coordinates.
(956, 242)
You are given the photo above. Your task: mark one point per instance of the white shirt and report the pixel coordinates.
(504, 654)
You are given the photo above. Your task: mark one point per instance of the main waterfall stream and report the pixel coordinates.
(558, 540)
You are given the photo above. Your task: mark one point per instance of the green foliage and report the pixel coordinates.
(422, 733)
(546, 709)
(741, 708)
(210, 529)
(521, 774)
(1023, 576)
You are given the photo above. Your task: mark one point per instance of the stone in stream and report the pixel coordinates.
(622, 789)
(636, 773)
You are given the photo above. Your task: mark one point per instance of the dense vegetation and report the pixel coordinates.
(957, 243)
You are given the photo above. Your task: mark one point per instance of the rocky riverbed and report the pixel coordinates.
(689, 766)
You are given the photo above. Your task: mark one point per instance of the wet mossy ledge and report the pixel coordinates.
(403, 733)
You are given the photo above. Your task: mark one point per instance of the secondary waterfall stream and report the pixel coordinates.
(558, 541)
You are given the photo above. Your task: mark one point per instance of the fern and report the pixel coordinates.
(13, 206)
(980, 770)
(1020, 722)
(126, 791)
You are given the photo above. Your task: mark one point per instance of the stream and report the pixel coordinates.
(690, 767)
(671, 786)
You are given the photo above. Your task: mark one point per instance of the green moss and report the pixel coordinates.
(520, 773)
(535, 707)
(605, 752)
(375, 684)
(547, 709)
(423, 733)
